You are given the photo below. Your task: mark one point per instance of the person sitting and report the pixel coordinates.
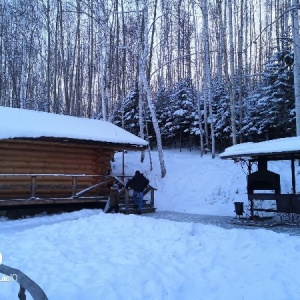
(138, 183)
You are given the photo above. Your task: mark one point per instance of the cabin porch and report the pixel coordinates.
(63, 192)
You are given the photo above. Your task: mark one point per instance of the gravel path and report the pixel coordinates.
(276, 224)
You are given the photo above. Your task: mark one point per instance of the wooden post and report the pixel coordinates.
(123, 163)
(152, 198)
(293, 174)
(74, 186)
(249, 167)
(251, 209)
(126, 200)
(33, 186)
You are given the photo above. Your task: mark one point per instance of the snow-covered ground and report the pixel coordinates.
(92, 255)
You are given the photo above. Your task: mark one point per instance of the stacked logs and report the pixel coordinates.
(58, 160)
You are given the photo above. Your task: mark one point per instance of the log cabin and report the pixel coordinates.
(51, 158)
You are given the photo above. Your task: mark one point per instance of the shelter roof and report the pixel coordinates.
(35, 125)
(278, 149)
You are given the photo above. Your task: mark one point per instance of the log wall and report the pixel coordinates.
(33, 157)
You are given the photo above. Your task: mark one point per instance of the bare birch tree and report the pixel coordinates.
(143, 69)
(207, 76)
(296, 38)
(240, 68)
(230, 76)
(90, 59)
(197, 74)
(141, 23)
(78, 82)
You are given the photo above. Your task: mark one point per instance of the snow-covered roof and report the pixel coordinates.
(22, 123)
(279, 148)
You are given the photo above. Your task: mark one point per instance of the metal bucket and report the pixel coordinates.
(239, 208)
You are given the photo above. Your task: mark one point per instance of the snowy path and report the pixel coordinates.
(221, 221)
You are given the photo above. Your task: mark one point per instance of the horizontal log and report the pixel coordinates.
(21, 202)
(23, 195)
(6, 187)
(50, 168)
(49, 182)
(50, 192)
(4, 145)
(24, 159)
(50, 146)
(66, 164)
(48, 162)
(48, 156)
(63, 148)
(49, 171)
(4, 178)
(60, 165)
(22, 144)
(41, 184)
(50, 175)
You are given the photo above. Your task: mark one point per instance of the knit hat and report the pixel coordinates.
(115, 186)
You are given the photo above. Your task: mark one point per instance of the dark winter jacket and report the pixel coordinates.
(114, 197)
(138, 182)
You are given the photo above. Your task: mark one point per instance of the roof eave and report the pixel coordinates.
(109, 145)
(285, 155)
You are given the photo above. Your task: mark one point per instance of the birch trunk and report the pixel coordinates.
(104, 59)
(296, 64)
(155, 126)
(78, 63)
(108, 70)
(90, 59)
(101, 83)
(143, 55)
(48, 55)
(197, 71)
(240, 70)
(64, 65)
(56, 68)
(141, 23)
(207, 74)
(230, 78)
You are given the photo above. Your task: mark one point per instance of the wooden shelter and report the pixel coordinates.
(47, 158)
(262, 184)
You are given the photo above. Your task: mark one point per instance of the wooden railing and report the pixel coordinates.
(149, 189)
(26, 284)
(68, 183)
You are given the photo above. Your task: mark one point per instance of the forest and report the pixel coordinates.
(178, 73)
